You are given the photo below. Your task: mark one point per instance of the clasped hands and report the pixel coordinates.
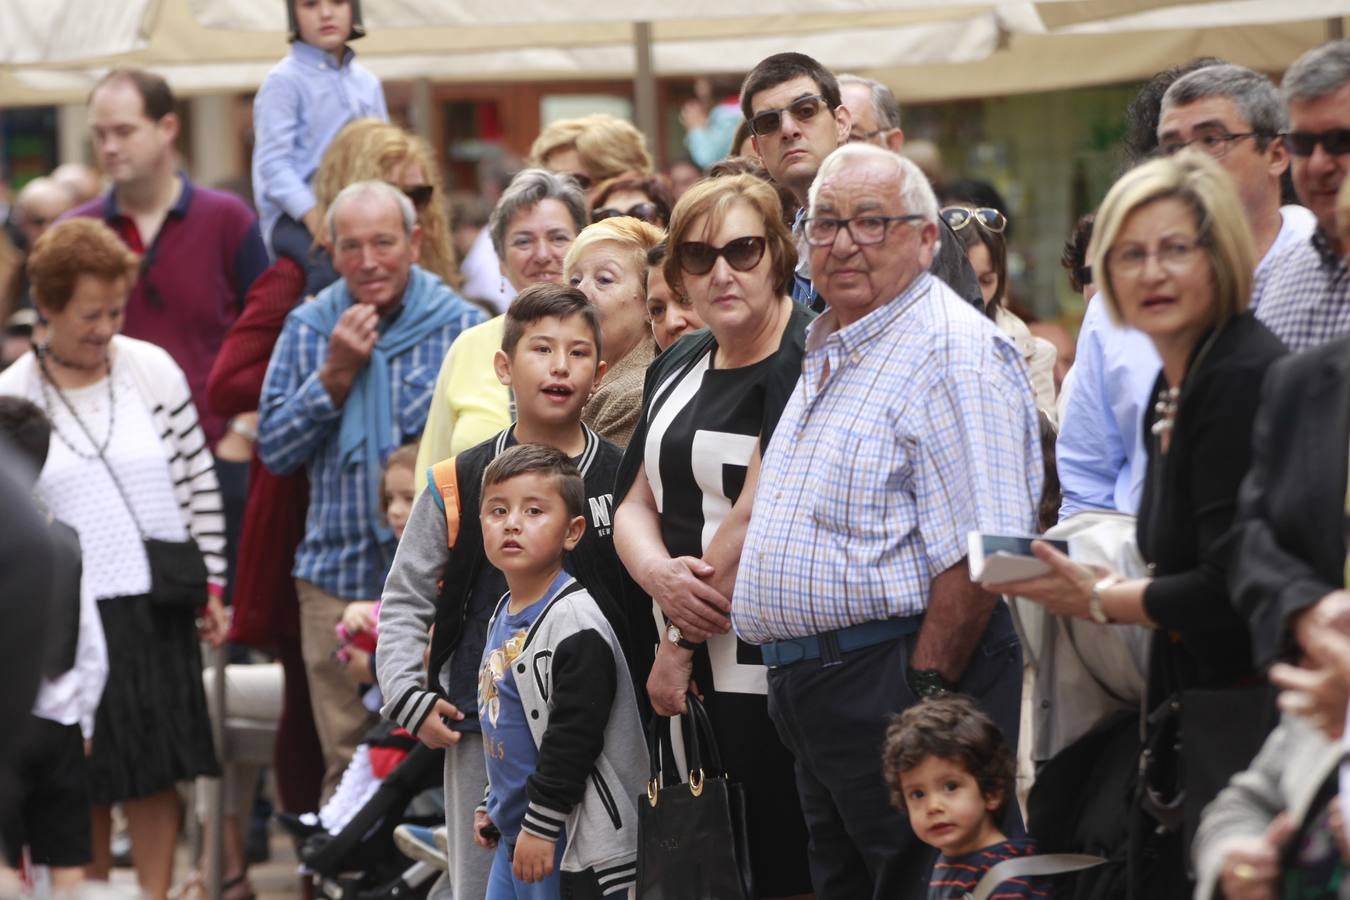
(679, 586)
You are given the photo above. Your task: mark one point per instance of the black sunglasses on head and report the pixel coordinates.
(742, 254)
(803, 109)
(1336, 141)
(420, 195)
(648, 212)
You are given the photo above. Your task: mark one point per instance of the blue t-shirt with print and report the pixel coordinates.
(508, 746)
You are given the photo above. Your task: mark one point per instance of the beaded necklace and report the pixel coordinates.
(46, 380)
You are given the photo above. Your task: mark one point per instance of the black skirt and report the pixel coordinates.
(152, 729)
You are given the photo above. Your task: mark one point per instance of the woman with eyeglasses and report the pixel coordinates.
(647, 198)
(687, 484)
(608, 263)
(981, 233)
(1173, 257)
(534, 223)
(670, 312)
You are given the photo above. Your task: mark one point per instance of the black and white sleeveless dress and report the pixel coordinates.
(702, 425)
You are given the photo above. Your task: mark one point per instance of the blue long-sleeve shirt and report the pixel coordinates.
(303, 103)
(1100, 451)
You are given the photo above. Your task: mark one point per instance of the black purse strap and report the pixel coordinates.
(112, 473)
(700, 741)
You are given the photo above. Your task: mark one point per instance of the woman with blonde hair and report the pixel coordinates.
(1173, 257)
(592, 149)
(608, 263)
(371, 150)
(712, 402)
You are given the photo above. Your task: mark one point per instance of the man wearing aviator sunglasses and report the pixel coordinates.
(797, 118)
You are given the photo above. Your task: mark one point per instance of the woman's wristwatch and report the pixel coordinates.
(1096, 608)
(676, 637)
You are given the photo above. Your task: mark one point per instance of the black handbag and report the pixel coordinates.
(692, 837)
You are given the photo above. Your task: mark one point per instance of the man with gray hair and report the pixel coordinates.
(1236, 116)
(1304, 294)
(350, 381)
(875, 111)
(913, 425)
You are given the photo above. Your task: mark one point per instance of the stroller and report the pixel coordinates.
(360, 862)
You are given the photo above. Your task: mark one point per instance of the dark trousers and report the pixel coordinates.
(834, 719)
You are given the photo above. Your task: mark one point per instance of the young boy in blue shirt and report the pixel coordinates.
(561, 730)
(303, 103)
(551, 360)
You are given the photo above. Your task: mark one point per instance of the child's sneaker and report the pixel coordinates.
(419, 844)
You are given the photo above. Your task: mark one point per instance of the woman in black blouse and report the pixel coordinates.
(687, 481)
(1176, 260)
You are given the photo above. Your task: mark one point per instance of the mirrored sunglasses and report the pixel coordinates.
(742, 254)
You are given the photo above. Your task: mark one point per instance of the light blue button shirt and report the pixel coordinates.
(303, 103)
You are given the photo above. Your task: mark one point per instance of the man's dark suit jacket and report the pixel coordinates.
(1290, 540)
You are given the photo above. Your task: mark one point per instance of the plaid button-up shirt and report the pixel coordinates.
(1304, 294)
(908, 429)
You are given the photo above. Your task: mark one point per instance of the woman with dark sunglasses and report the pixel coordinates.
(687, 482)
(981, 232)
(643, 197)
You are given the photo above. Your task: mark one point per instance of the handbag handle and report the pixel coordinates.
(700, 735)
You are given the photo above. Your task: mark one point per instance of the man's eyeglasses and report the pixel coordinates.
(649, 212)
(1214, 143)
(419, 194)
(803, 109)
(821, 231)
(958, 217)
(857, 136)
(742, 254)
(1335, 141)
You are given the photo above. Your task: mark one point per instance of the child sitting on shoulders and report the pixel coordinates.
(300, 107)
(950, 771)
(561, 731)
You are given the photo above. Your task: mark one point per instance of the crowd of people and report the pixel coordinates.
(502, 498)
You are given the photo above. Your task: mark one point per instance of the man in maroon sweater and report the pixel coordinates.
(200, 249)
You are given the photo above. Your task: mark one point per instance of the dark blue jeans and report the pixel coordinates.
(834, 720)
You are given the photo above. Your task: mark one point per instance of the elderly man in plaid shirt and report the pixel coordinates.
(912, 425)
(349, 381)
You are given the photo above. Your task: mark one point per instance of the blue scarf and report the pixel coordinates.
(367, 433)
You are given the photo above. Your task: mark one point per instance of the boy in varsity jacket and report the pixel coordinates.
(550, 359)
(561, 731)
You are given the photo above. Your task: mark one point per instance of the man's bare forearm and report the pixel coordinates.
(958, 612)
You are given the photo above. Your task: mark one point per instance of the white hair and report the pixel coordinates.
(916, 194)
(377, 189)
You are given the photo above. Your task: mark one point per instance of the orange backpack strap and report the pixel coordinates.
(443, 477)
